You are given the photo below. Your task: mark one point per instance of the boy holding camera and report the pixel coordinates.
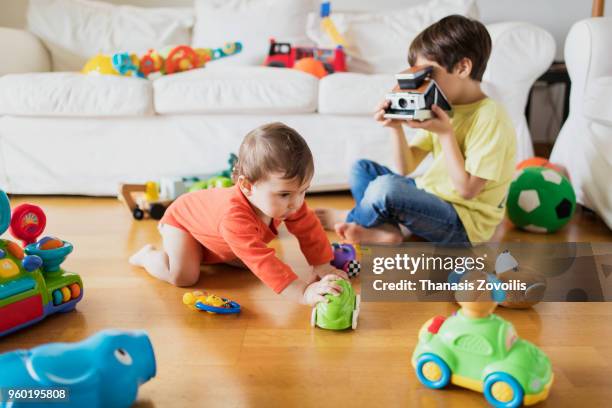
(461, 197)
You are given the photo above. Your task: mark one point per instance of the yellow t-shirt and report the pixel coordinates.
(487, 141)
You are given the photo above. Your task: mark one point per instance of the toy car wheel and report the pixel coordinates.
(137, 213)
(432, 371)
(313, 317)
(277, 64)
(503, 391)
(157, 211)
(356, 312)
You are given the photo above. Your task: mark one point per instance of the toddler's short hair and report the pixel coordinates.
(274, 148)
(450, 40)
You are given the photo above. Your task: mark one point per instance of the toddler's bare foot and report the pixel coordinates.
(138, 258)
(330, 217)
(356, 234)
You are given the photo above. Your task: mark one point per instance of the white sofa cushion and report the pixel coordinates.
(378, 42)
(75, 30)
(74, 94)
(597, 106)
(352, 93)
(253, 22)
(224, 89)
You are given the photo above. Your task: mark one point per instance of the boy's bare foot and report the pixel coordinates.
(356, 234)
(138, 258)
(329, 217)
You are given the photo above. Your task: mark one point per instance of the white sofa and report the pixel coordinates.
(67, 133)
(584, 145)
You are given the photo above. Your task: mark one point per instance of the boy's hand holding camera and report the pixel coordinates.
(440, 124)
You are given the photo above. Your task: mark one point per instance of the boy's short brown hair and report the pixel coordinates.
(274, 148)
(450, 40)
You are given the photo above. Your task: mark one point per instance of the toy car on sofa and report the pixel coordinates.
(341, 312)
(32, 283)
(414, 95)
(483, 354)
(285, 55)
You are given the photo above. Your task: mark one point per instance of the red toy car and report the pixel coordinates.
(284, 55)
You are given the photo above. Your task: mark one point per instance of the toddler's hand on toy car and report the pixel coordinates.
(315, 292)
(321, 271)
(379, 116)
(439, 124)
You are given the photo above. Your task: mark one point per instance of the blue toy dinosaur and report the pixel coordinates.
(102, 371)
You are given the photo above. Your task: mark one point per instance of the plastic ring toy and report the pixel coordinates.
(229, 48)
(232, 309)
(178, 54)
(5, 212)
(432, 371)
(502, 391)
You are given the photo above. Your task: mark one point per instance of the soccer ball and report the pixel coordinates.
(540, 200)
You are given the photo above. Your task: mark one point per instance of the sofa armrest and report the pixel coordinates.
(22, 52)
(587, 50)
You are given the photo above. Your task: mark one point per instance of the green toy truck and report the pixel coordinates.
(485, 355)
(341, 312)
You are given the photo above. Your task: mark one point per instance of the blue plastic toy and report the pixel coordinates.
(103, 371)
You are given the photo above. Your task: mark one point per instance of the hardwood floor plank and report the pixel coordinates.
(269, 356)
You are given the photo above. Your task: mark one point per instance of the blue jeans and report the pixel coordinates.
(383, 197)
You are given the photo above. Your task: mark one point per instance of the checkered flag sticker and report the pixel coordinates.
(353, 268)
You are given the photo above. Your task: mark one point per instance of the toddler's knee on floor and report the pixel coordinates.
(182, 278)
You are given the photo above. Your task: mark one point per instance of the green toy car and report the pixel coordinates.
(341, 312)
(484, 355)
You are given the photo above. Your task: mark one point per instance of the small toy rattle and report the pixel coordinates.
(199, 300)
(346, 258)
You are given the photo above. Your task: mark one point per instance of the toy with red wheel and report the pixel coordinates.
(32, 283)
(27, 223)
(182, 58)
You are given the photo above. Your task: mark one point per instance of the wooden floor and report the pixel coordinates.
(269, 356)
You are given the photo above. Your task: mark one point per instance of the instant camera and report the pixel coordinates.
(414, 95)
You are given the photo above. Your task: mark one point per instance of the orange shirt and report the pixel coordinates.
(224, 222)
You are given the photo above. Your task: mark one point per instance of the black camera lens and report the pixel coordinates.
(402, 102)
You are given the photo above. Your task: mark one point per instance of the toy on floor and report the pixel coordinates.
(341, 312)
(508, 269)
(213, 304)
(104, 370)
(151, 199)
(213, 182)
(32, 283)
(346, 258)
(540, 162)
(154, 63)
(478, 350)
(146, 204)
(284, 55)
(540, 200)
(415, 94)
